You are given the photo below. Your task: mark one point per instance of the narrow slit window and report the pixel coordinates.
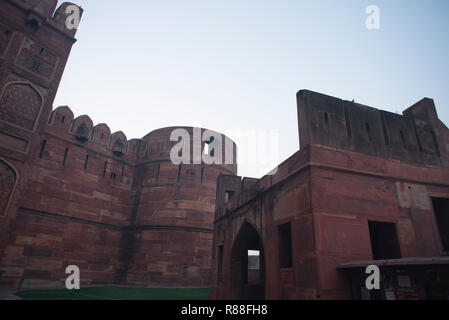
(41, 154)
(404, 145)
(85, 163)
(105, 168)
(348, 123)
(435, 142)
(179, 174)
(202, 175)
(384, 129)
(419, 142)
(64, 161)
(162, 148)
(368, 131)
(326, 119)
(220, 263)
(158, 172)
(122, 174)
(63, 119)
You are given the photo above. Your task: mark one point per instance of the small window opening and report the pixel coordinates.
(33, 24)
(285, 246)
(41, 51)
(228, 196)
(122, 174)
(62, 119)
(384, 240)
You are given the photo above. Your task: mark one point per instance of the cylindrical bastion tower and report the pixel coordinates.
(169, 242)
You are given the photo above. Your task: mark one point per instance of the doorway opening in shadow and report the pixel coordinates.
(248, 265)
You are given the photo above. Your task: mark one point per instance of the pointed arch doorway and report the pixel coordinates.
(248, 265)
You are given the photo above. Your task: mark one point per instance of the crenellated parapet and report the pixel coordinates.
(157, 146)
(416, 136)
(82, 132)
(65, 178)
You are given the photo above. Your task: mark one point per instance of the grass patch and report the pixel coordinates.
(118, 293)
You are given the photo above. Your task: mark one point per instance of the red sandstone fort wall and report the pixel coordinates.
(74, 193)
(127, 216)
(350, 170)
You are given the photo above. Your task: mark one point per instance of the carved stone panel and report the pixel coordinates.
(37, 59)
(20, 104)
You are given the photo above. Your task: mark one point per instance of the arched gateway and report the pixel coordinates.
(248, 265)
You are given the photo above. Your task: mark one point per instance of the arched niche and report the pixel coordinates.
(20, 104)
(82, 127)
(118, 143)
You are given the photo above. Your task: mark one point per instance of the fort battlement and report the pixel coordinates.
(413, 136)
(73, 192)
(155, 146)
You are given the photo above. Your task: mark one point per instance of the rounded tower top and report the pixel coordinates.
(190, 145)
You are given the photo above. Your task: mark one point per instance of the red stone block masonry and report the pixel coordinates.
(72, 193)
(367, 187)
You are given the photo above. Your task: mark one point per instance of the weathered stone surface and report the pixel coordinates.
(356, 165)
(74, 193)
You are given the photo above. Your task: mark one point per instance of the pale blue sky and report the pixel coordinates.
(141, 65)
